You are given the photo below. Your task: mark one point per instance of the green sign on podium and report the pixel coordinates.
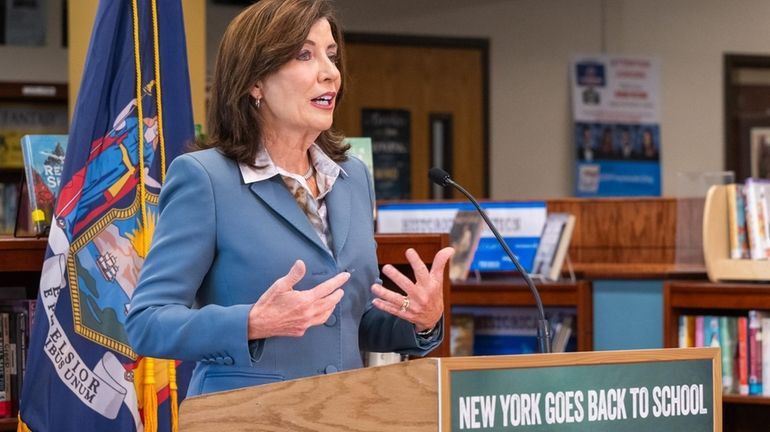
(631, 391)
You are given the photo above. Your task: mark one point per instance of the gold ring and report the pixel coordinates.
(405, 304)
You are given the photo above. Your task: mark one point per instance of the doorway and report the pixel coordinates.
(747, 115)
(434, 92)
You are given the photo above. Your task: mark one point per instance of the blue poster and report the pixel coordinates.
(617, 137)
(520, 224)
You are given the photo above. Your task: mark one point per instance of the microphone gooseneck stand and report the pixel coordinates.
(442, 178)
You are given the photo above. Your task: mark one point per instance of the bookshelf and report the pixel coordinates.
(25, 108)
(741, 413)
(20, 263)
(515, 292)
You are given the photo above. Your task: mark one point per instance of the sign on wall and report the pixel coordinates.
(390, 131)
(616, 111)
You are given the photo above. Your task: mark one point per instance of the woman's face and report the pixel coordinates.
(301, 95)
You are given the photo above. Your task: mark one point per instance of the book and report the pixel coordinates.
(511, 330)
(755, 353)
(711, 331)
(728, 341)
(19, 304)
(736, 219)
(8, 201)
(554, 242)
(699, 338)
(757, 217)
(361, 147)
(461, 331)
(686, 331)
(765, 324)
(21, 314)
(464, 237)
(743, 356)
(43, 164)
(7, 358)
(562, 334)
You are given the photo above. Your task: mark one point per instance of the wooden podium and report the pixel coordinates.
(682, 387)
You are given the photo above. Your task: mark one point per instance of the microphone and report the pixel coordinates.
(442, 178)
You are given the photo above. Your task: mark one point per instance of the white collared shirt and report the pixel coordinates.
(326, 172)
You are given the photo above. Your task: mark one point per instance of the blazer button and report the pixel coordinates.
(331, 320)
(330, 369)
(228, 360)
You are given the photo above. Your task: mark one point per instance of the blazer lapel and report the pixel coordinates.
(338, 208)
(274, 193)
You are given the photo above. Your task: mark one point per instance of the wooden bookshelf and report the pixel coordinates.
(8, 424)
(741, 413)
(701, 297)
(21, 255)
(716, 243)
(20, 263)
(515, 292)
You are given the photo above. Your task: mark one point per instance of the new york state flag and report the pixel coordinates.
(133, 116)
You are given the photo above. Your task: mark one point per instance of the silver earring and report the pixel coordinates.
(258, 102)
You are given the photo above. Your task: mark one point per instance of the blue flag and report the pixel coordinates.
(133, 116)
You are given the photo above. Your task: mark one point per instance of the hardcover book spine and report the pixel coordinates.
(755, 353)
(732, 221)
(765, 353)
(699, 331)
(729, 343)
(743, 356)
(5, 387)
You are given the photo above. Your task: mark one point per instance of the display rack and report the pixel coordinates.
(716, 244)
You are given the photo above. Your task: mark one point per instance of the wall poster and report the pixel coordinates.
(616, 113)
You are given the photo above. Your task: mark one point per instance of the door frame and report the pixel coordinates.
(480, 44)
(733, 146)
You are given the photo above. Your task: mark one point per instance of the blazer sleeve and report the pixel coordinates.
(162, 321)
(383, 332)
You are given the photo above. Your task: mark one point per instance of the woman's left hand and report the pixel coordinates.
(423, 304)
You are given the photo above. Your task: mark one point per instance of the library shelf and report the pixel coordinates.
(510, 291)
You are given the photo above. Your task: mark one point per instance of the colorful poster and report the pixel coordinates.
(616, 112)
(519, 223)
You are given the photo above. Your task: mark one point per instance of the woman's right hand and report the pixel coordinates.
(282, 311)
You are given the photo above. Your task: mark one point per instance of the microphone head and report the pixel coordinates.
(439, 176)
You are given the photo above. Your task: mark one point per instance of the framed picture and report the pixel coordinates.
(760, 152)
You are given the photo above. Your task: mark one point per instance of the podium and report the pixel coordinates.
(665, 389)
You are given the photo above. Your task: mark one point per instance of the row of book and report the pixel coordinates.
(16, 317)
(486, 330)
(748, 215)
(745, 346)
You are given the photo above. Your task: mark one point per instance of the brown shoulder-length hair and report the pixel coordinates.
(260, 40)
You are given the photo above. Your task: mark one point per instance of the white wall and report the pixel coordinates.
(531, 42)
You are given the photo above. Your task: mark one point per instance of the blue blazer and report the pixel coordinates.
(220, 243)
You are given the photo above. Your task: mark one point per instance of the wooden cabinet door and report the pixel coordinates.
(430, 78)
